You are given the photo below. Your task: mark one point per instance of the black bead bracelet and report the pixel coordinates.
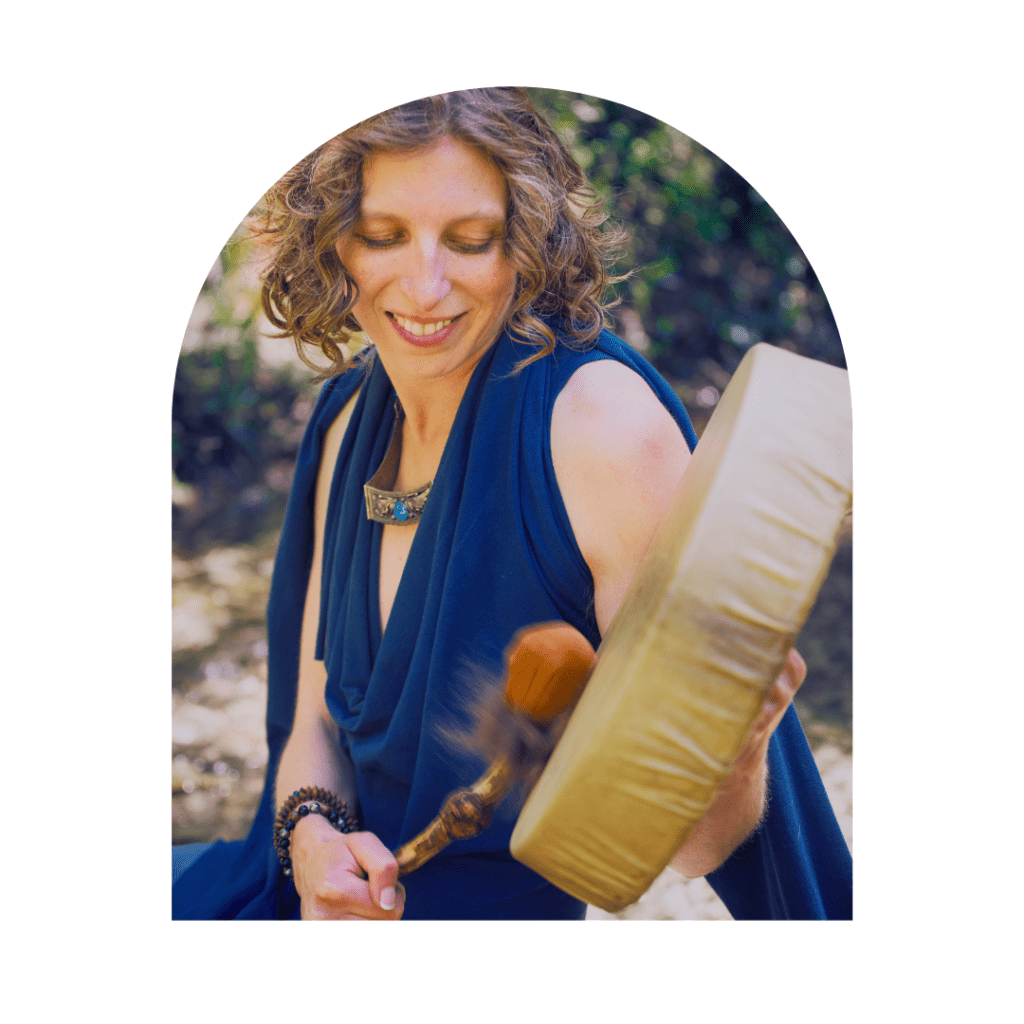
(309, 800)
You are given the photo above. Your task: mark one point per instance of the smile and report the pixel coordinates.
(417, 328)
(424, 334)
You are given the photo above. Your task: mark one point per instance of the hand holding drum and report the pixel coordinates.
(689, 661)
(701, 637)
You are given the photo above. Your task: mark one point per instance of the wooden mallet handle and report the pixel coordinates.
(546, 668)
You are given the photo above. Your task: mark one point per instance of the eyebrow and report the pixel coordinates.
(488, 215)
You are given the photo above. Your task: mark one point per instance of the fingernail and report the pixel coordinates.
(387, 899)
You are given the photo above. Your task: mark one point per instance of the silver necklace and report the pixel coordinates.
(383, 505)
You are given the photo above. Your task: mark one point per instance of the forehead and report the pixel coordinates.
(449, 178)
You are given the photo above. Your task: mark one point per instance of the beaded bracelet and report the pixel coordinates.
(309, 800)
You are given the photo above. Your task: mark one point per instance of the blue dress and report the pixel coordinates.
(494, 551)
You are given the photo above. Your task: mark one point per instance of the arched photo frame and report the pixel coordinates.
(601, 92)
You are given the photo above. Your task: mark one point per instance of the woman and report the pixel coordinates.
(533, 456)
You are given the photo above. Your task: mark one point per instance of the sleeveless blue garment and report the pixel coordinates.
(494, 551)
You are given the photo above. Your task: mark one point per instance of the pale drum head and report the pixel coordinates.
(704, 630)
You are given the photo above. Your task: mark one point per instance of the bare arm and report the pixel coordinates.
(312, 755)
(330, 868)
(619, 458)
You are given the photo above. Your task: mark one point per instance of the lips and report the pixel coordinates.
(420, 333)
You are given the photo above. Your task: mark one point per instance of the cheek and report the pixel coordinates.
(500, 285)
(359, 267)
(363, 309)
(368, 283)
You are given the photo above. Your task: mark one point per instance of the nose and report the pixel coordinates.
(427, 283)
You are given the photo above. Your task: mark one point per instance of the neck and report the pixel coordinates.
(430, 405)
(430, 409)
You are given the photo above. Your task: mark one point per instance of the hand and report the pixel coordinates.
(755, 750)
(344, 877)
(739, 803)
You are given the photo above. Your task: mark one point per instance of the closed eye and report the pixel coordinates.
(470, 248)
(379, 243)
(457, 245)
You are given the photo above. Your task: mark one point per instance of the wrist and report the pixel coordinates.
(749, 772)
(309, 802)
(313, 828)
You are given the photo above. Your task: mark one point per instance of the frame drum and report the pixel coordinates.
(703, 632)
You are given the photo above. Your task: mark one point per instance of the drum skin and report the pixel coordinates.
(704, 630)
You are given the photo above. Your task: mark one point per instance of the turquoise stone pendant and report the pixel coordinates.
(384, 505)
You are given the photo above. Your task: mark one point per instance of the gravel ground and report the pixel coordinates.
(219, 753)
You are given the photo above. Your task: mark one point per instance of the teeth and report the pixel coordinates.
(413, 327)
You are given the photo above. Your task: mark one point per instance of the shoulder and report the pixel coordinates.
(339, 424)
(333, 437)
(608, 416)
(618, 456)
(335, 405)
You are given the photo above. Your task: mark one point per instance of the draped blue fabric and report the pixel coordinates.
(494, 551)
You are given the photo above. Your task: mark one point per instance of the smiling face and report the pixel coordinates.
(427, 255)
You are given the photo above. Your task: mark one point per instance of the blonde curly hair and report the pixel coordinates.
(554, 238)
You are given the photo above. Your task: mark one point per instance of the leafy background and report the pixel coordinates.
(714, 271)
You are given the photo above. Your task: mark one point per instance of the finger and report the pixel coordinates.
(376, 914)
(380, 866)
(774, 707)
(795, 670)
(349, 898)
(788, 681)
(364, 911)
(784, 689)
(334, 886)
(318, 910)
(399, 903)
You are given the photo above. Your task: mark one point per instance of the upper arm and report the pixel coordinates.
(618, 456)
(312, 674)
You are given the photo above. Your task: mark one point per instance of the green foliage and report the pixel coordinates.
(714, 269)
(237, 423)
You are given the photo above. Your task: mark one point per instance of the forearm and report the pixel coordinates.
(337, 874)
(740, 802)
(313, 757)
(734, 814)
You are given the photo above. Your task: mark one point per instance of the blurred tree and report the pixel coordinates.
(236, 421)
(715, 270)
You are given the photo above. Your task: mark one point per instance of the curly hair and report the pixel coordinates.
(554, 238)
